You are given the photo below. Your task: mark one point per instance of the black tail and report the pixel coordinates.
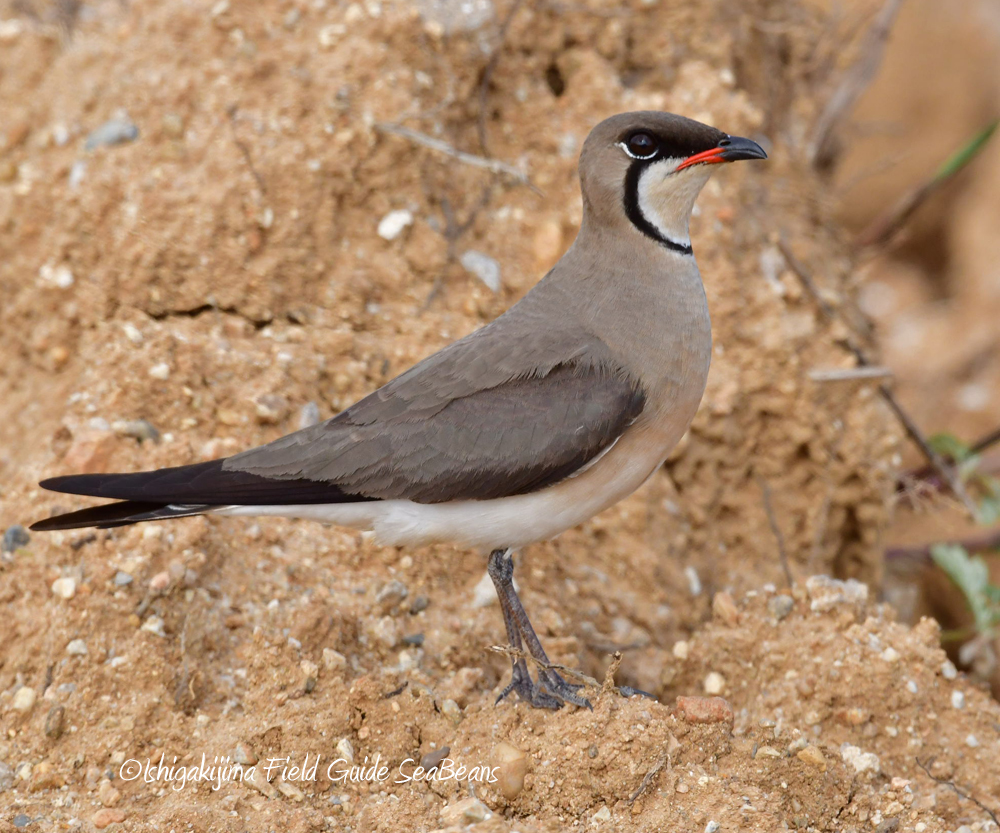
(123, 513)
(179, 492)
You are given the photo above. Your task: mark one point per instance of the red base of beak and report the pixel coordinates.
(707, 157)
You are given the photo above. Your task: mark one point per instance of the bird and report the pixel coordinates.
(554, 411)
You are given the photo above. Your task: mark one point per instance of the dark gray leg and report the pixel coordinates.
(552, 690)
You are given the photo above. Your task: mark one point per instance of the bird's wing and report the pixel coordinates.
(462, 426)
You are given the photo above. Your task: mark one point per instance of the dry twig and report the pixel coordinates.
(848, 374)
(977, 543)
(854, 82)
(778, 535)
(951, 784)
(441, 146)
(946, 472)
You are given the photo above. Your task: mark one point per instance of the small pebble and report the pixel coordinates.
(21, 820)
(113, 132)
(107, 816)
(333, 660)
(139, 429)
(948, 670)
(451, 710)
(780, 606)
(724, 608)
(681, 649)
(244, 755)
(694, 582)
(767, 752)
(14, 538)
(309, 415)
(65, 587)
(861, 761)
(419, 604)
(466, 811)
(911, 686)
(289, 790)
(433, 759)
(704, 709)
(971, 741)
(391, 594)
(385, 631)
(483, 267)
(154, 625)
(6, 777)
(54, 721)
(107, 794)
(24, 699)
(160, 371)
(712, 827)
(511, 766)
(77, 648)
(714, 683)
(813, 756)
(415, 639)
(826, 593)
(122, 579)
(345, 750)
(484, 593)
(890, 655)
(957, 700)
(602, 815)
(393, 223)
(159, 582)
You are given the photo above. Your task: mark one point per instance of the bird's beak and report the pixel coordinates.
(730, 149)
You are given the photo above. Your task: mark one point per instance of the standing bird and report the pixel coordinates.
(556, 410)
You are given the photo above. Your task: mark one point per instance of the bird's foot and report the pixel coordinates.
(550, 692)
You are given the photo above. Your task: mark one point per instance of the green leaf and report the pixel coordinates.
(964, 155)
(971, 576)
(989, 510)
(950, 446)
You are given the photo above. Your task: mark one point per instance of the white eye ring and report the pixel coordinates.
(624, 147)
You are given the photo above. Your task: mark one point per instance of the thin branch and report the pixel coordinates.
(958, 792)
(231, 112)
(648, 777)
(885, 227)
(778, 535)
(850, 374)
(855, 81)
(976, 543)
(439, 145)
(946, 472)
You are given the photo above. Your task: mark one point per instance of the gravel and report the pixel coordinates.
(393, 224)
(483, 267)
(113, 132)
(14, 538)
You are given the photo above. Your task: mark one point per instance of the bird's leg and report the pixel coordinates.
(552, 690)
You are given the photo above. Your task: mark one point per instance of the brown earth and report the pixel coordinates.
(223, 270)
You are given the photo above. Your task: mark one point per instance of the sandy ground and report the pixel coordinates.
(221, 269)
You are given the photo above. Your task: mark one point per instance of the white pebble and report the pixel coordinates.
(681, 649)
(604, 814)
(712, 827)
(334, 660)
(861, 761)
(65, 587)
(393, 223)
(957, 700)
(948, 670)
(911, 686)
(483, 267)
(971, 741)
(825, 592)
(345, 750)
(77, 648)
(154, 625)
(24, 699)
(132, 332)
(160, 371)
(890, 655)
(715, 683)
(694, 582)
(484, 593)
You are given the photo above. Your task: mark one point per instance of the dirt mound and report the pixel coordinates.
(213, 263)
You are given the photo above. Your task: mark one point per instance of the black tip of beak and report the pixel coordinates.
(736, 148)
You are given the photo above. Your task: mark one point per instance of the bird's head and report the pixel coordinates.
(645, 169)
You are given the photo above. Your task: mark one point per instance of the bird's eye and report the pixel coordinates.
(641, 145)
